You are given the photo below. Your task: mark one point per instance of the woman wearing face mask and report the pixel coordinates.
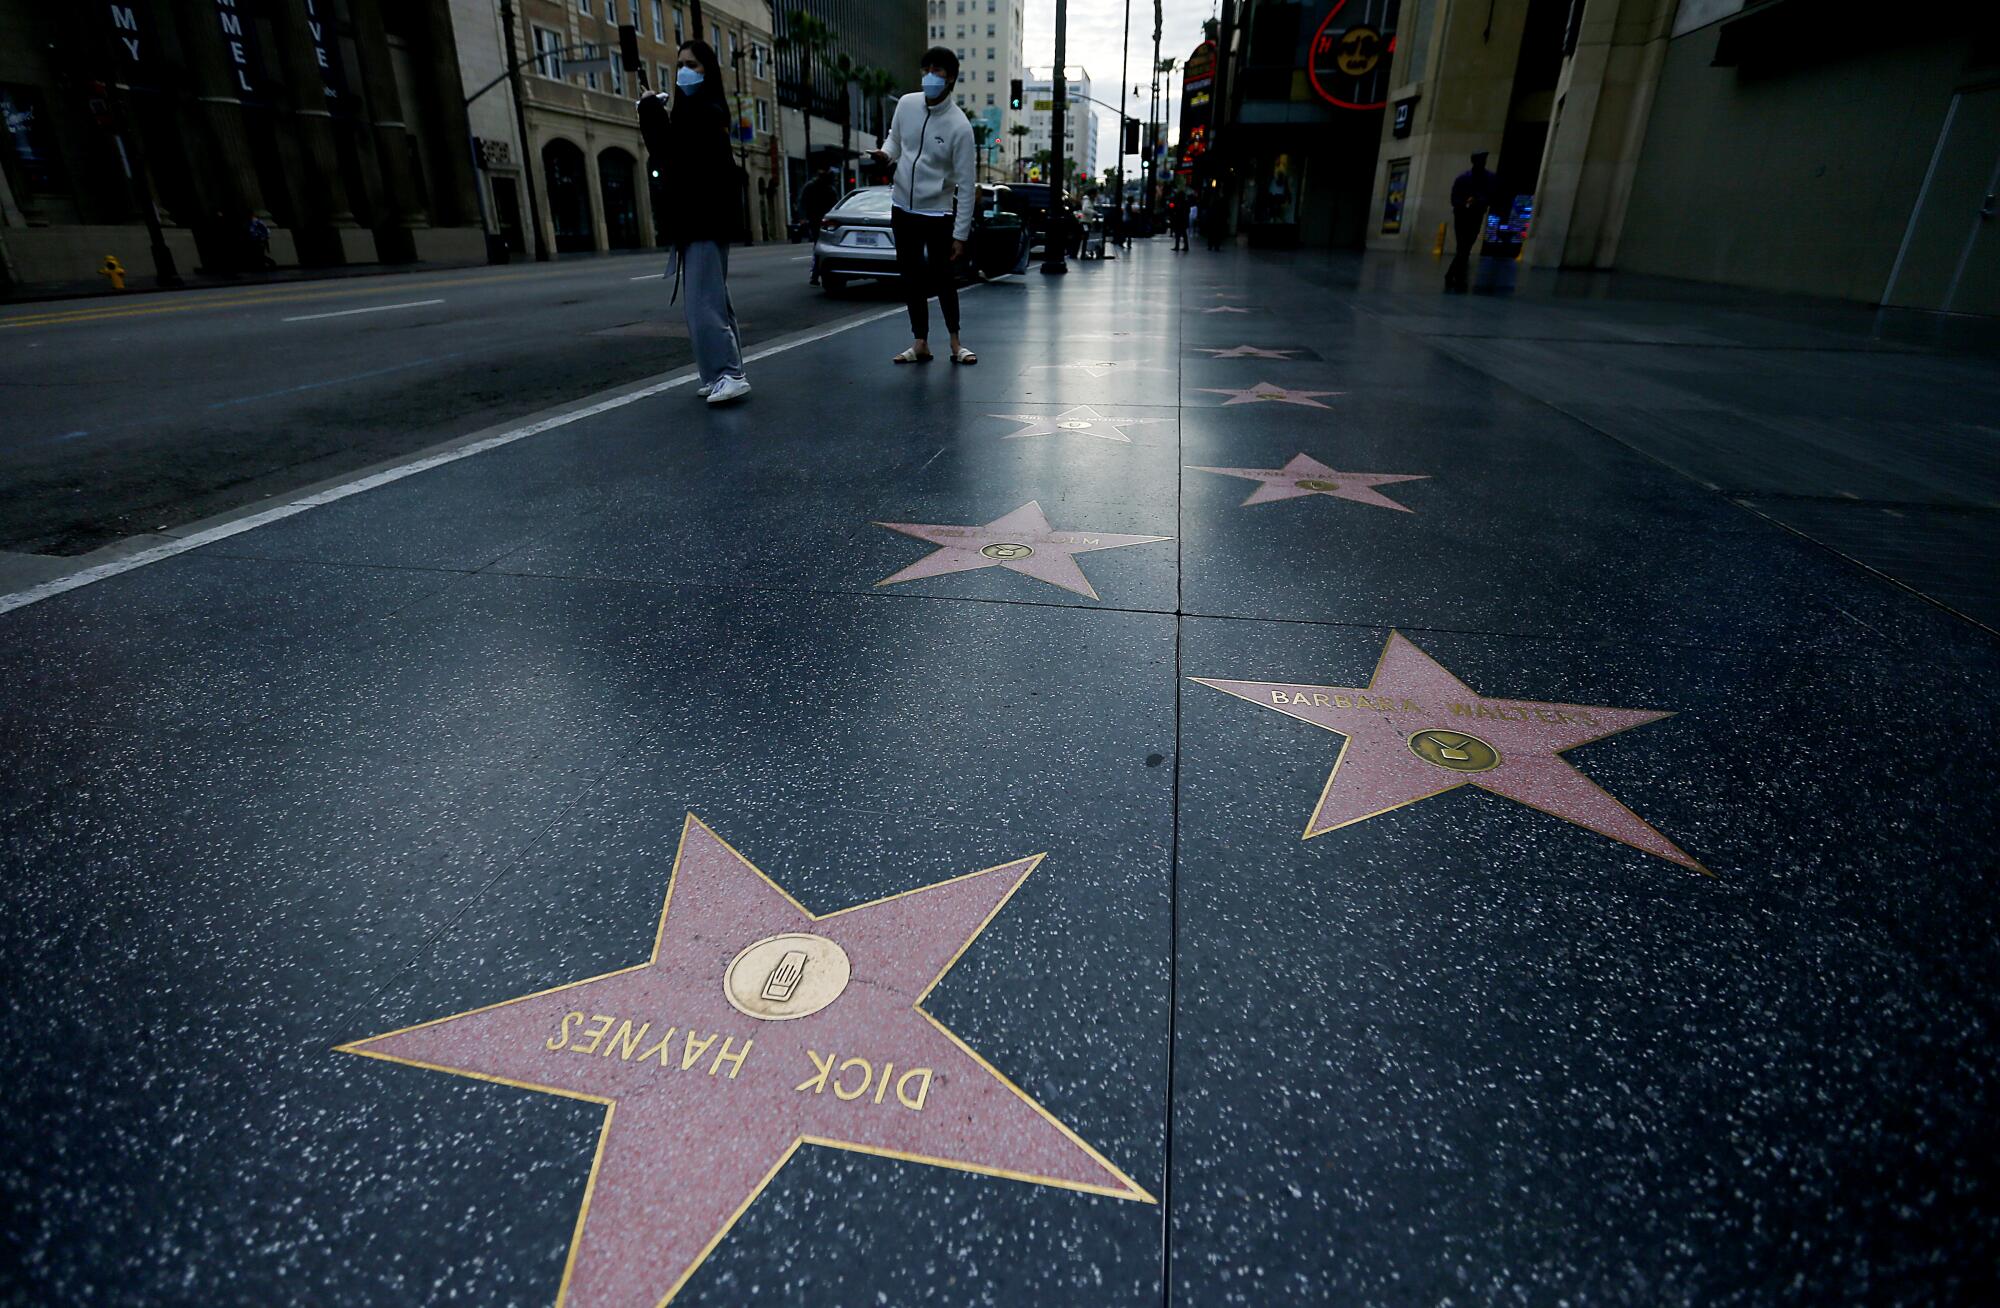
(931, 214)
(703, 212)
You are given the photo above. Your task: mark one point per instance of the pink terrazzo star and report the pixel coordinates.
(1268, 393)
(1079, 420)
(1416, 731)
(1021, 541)
(1304, 475)
(705, 1100)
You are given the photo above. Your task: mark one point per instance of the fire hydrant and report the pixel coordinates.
(114, 270)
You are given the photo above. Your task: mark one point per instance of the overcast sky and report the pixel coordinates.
(1096, 30)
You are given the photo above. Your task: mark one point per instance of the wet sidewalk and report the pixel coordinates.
(1236, 795)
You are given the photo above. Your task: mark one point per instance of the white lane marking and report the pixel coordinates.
(236, 527)
(800, 258)
(373, 308)
(646, 277)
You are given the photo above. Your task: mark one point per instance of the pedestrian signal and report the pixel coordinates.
(1014, 94)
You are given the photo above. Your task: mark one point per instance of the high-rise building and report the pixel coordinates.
(1079, 122)
(816, 103)
(987, 37)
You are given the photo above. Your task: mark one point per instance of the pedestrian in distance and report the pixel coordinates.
(1471, 196)
(817, 197)
(930, 215)
(1177, 221)
(703, 213)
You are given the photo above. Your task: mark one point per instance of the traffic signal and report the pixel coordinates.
(628, 48)
(1014, 94)
(1131, 136)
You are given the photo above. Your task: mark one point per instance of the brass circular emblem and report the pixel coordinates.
(783, 977)
(1455, 750)
(1317, 483)
(1074, 424)
(1006, 550)
(1360, 50)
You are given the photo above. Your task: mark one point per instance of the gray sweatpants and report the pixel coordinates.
(711, 317)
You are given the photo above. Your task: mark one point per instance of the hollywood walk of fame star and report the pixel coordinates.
(1081, 419)
(1244, 352)
(1021, 541)
(1304, 475)
(756, 1027)
(1415, 731)
(1225, 308)
(1267, 393)
(1100, 367)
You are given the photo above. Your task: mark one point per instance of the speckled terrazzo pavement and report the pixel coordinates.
(1689, 1001)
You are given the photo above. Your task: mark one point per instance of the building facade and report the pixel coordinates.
(294, 132)
(817, 104)
(591, 186)
(1761, 143)
(1079, 122)
(987, 36)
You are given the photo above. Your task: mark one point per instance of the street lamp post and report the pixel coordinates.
(520, 126)
(1052, 246)
(1124, 72)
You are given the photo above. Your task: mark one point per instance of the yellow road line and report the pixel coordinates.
(253, 299)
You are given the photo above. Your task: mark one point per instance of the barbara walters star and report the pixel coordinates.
(754, 1028)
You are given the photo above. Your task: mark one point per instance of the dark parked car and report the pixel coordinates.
(1031, 201)
(855, 239)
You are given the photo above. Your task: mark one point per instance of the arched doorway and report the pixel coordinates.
(569, 197)
(615, 173)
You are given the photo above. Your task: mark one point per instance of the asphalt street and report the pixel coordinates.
(129, 416)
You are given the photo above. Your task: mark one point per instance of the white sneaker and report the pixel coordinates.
(727, 389)
(703, 391)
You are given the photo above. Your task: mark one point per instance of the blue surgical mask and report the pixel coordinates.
(687, 78)
(933, 86)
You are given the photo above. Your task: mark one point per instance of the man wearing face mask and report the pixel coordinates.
(931, 218)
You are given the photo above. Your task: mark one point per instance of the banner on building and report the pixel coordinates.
(1197, 105)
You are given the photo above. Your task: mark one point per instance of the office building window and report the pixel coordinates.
(666, 78)
(680, 28)
(611, 10)
(659, 20)
(589, 51)
(764, 117)
(583, 6)
(548, 61)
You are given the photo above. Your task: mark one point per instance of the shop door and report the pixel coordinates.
(1950, 258)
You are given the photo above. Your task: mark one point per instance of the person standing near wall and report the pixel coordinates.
(1471, 196)
(704, 212)
(932, 201)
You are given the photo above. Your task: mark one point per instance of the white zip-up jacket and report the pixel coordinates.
(935, 158)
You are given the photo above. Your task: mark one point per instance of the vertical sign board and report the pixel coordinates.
(1351, 53)
(1392, 196)
(240, 55)
(325, 39)
(1197, 105)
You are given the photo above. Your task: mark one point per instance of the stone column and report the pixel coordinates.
(233, 168)
(402, 211)
(1604, 99)
(455, 193)
(326, 220)
(600, 232)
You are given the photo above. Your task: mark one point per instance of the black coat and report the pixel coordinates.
(701, 188)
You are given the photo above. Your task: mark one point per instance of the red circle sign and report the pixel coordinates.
(1358, 56)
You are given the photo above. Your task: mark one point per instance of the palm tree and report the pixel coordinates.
(847, 72)
(810, 38)
(1019, 131)
(877, 85)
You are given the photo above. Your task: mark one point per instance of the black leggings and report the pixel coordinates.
(923, 258)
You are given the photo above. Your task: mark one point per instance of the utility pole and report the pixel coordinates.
(1124, 71)
(1058, 219)
(521, 127)
(1153, 146)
